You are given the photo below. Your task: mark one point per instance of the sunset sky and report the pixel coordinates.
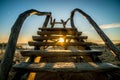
(106, 13)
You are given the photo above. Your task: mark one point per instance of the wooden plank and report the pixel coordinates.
(37, 43)
(38, 38)
(66, 67)
(58, 29)
(54, 53)
(58, 33)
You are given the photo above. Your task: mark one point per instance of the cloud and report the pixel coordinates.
(114, 25)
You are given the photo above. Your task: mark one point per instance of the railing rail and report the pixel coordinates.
(104, 37)
(7, 60)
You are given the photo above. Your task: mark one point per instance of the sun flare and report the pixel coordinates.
(61, 40)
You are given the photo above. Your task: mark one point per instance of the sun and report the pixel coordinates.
(61, 40)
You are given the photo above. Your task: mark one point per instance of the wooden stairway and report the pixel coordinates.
(43, 60)
(48, 61)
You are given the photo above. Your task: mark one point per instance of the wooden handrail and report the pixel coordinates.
(104, 37)
(46, 21)
(7, 60)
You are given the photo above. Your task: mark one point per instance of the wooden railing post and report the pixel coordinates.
(7, 60)
(46, 21)
(104, 37)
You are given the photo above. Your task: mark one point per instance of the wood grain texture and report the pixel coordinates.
(58, 53)
(104, 37)
(38, 43)
(58, 33)
(7, 60)
(38, 38)
(58, 29)
(66, 67)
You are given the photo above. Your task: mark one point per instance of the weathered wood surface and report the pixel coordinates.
(66, 67)
(53, 23)
(58, 29)
(38, 43)
(7, 60)
(64, 24)
(104, 37)
(38, 38)
(46, 21)
(54, 53)
(58, 33)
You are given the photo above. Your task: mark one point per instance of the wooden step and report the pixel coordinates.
(38, 43)
(58, 29)
(38, 38)
(66, 67)
(58, 33)
(57, 53)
